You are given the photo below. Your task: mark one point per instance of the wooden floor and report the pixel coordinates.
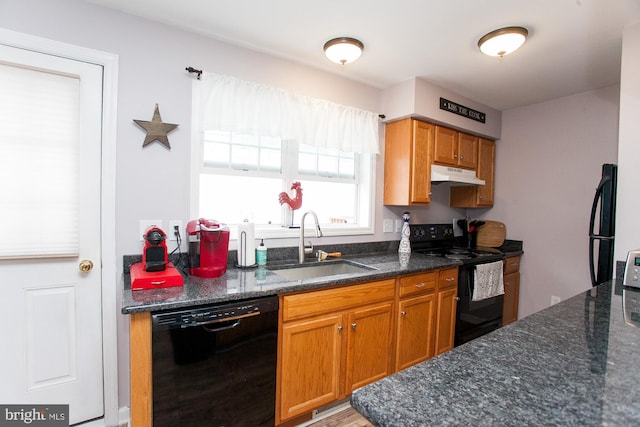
(348, 417)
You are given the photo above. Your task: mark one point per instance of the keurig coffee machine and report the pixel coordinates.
(208, 248)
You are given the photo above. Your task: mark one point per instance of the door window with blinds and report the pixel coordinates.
(239, 172)
(39, 141)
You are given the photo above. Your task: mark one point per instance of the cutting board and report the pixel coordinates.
(491, 234)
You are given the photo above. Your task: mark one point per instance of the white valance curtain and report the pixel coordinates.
(230, 104)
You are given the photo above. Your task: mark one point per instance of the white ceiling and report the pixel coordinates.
(573, 45)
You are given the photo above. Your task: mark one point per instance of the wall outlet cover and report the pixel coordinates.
(387, 226)
(555, 300)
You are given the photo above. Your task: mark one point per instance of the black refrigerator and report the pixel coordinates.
(602, 226)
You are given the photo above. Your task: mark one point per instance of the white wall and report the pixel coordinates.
(548, 164)
(153, 182)
(627, 217)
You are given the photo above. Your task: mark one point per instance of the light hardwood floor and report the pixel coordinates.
(348, 417)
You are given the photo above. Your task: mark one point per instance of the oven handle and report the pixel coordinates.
(238, 320)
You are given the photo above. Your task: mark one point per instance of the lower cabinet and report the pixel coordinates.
(331, 342)
(511, 281)
(446, 313)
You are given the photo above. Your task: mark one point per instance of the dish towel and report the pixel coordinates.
(488, 282)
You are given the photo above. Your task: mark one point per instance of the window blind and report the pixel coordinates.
(39, 142)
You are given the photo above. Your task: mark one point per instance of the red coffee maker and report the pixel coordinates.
(208, 248)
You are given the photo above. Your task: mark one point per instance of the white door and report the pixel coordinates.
(50, 170)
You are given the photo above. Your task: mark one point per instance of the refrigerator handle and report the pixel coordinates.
(592, 234)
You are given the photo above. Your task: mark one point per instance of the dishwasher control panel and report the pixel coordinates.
(186, 317)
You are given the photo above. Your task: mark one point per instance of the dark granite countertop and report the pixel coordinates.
(239, 284)
(572, 364)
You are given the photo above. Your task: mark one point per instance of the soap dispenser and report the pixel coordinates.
(261, 253)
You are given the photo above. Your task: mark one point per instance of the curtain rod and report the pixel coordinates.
(199, 73)
(193, 70)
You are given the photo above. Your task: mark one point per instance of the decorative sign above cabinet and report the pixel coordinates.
(461, 110)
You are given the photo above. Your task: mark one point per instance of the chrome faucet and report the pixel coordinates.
(302, 248)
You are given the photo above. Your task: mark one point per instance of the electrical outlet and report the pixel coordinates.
(398, 225)
(555, 299)
(387, 225)
(457, 231)
(172, 227)
(146, 223)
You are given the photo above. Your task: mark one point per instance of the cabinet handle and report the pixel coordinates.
(421, 285)
(461, 157)
(450, 279)
(481, 196)
(457, 298)
(340, 328)
(455, 156)
(403, 313)
(353, 325)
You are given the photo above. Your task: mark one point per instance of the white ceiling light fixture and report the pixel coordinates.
(343, 50)
(503, 41)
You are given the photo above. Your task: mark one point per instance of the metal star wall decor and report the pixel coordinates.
(156, 130)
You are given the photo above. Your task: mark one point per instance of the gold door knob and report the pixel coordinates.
(86, 265)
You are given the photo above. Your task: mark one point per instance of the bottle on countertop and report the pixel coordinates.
(261, 253)
(404, 249)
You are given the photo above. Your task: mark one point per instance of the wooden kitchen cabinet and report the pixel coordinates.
(408, 156)
(479, 196)
(447, 299)
(511, 281)
(453, 148)
(416, 319)
(427, 316)
(330, 342)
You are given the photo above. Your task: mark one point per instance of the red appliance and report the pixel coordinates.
(154, 253)
(208, 248)
(155, 270)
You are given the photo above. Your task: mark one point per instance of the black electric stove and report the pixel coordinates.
(439, 240)
(473, 318)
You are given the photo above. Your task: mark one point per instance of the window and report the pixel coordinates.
(253, 141)
(241, 176)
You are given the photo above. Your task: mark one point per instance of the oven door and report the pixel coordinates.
(474, 318)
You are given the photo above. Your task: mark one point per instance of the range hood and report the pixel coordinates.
(454, 176)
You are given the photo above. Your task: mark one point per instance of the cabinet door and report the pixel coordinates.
(408, 152)
(446, 146)
(446, 319)
(467, 151)
(511, 291)
(486, 161)
(369, 347)
(415, 330)
(309, 364)
(421, 163)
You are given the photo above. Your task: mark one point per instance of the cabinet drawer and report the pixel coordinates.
(418, 283)
(336, 299)
(448, 278)
(512, 264)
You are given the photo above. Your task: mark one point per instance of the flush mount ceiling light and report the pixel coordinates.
(343, 50)
(503, 41)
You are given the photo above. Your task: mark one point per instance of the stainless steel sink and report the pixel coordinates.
(320, 270)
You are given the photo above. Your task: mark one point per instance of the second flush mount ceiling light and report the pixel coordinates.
(503, 41)
(343, 50)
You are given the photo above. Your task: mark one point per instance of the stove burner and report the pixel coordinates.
(455, 251)
(458, 256)
(431, 253)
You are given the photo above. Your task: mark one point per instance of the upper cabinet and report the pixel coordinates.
(480, 196)
(453, 148)
(412, 146)
(408, 156)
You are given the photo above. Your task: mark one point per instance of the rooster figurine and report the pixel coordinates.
(294, 203)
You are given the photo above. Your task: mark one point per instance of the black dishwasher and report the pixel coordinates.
(215, 365)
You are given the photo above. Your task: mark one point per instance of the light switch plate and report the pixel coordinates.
(387, 225)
